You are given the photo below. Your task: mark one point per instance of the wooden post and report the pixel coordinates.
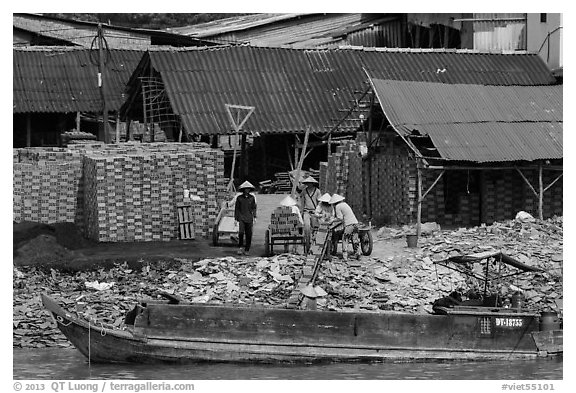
(369, 158)
(237, 124)
(300, 162)
(78, 121)
(28, 130)
(128, 132)
(419, 196)
(540, 193)
(101, 84)
(145, 117)
(296, 143)
(243, 158)
(118, 128)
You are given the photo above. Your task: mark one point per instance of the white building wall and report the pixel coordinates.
(545, 38)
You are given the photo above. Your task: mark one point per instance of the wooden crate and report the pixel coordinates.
(185, 221)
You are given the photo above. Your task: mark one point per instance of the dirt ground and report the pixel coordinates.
(105, 254)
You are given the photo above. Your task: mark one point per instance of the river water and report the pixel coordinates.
(63, 364)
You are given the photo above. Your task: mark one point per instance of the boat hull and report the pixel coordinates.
(196, 333)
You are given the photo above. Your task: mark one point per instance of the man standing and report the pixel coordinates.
(308, 201)
(343, 212)
(245, 214)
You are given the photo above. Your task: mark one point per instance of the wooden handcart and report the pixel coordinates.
(365, 239)
(285, 229)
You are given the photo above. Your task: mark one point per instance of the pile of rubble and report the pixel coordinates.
(536, 243)
(109, 293)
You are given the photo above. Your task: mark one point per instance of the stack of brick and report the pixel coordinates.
(154, 181)
(47, 184)
(127, 192)
(283, 222)
(322, 176)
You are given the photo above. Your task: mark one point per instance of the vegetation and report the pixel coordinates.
(145, 21)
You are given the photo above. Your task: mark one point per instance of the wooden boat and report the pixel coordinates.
(163, 332)
(180, 333)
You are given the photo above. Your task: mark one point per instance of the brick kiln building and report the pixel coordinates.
(470, 154)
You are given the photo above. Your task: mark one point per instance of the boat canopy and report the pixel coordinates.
(462, 264)
(498, 255)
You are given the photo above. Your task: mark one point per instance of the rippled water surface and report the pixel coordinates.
(70, 364)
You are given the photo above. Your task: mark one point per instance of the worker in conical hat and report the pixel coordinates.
(344, 214)
(245, 214)
(324, 211)
(308, 200)
(293, 204)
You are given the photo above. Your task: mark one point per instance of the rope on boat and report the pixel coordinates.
(102, 330)
(61, 321)
(89, 364)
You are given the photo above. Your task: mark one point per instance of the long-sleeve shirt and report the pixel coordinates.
(344, 212)
(245, 208)
(324, 211)
(309, 199)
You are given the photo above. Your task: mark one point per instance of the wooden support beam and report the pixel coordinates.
(128, 129)
(432, 186)
(527, 182)
(289, 157)
(489, 168)
(419, 208)
(118, 128)
(540, 193)
(553, 182)
(243, 158)
(300, 162)
(78, 121)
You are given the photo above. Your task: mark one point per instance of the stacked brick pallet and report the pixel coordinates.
(127, 192)
(47, 185)
(141, 196)
(284, 223)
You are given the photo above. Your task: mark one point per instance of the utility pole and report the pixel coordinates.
(101, 74)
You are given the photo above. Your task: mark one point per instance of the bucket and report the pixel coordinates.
(517, 300)
(412, 241)
(549, 321)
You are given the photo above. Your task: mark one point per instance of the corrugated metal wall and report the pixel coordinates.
(500, 32)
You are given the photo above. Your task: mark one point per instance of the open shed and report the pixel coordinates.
(184, 92)
(464, 154)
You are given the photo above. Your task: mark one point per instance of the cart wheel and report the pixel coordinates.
(366, 242)
(215, 235)
(267, 251)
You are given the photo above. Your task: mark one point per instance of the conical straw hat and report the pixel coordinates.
(246, 184)
(288, 201)
(324, 198)
(336, 198)
(310, 179)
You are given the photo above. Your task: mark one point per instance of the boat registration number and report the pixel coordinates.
(509, 322)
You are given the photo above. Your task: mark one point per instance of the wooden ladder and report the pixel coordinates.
(185, 221)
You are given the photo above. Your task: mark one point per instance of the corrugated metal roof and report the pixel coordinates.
(63, 79)
(235, 23)
(292, 89)
(81, 34)
(478, 123)
(290, 30)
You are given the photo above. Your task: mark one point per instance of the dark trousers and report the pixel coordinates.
(245, 228)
